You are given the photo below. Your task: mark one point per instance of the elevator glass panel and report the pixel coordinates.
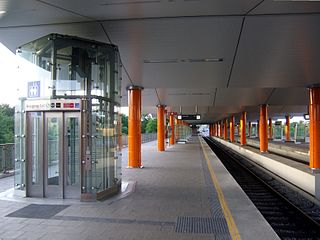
(53, 150)
(35, 147)
(73, 151)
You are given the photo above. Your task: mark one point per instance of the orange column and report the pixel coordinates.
(231, 123)
(160, 127)
(270, 128)
(216, 129)
(314, 115)
(225, 129)
(210, 130)
(243, 137)
(134, 127)
(171, 122)
(287, 128)
(249, 129)
(263, 128)
(219, 127)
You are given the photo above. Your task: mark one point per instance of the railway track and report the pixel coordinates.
(291, 215)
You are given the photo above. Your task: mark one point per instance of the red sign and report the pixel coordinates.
(68, 105)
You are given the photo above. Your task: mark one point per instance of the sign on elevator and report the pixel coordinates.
(34, 89)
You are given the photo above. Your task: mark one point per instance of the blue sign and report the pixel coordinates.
(34, 89)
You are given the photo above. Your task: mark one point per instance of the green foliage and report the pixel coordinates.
(124, 124)
(144, 122)
(148, 124)
(151, 126)
(6, 124)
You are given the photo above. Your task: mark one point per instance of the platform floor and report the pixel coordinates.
(176, 196)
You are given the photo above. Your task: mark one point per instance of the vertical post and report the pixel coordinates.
(249, 129)
(257, 129)
(231, 123)
(270, 128)
(178, 129)
(287, 128)
(314, 115)
(243, 137)
(216, 129)
(263, 128)
(160, 127)
(171, 122)
(134, 127)
(225, 129)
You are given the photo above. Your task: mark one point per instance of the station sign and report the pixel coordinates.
(189, 117)
(52, 105)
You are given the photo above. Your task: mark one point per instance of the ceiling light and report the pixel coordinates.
(205, 59)
(3, 12)
(130, 2)
(161, 61)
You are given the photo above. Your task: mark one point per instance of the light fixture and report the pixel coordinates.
(161, 61)
(198, 117)
(130, 2)
(3, 12)
(179, 117)
(195, 60)
(306, 116)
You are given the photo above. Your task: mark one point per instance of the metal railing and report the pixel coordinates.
(6, 157)
(145, 137)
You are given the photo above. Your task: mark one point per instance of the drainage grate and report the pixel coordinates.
(41, 211)
(201, 225)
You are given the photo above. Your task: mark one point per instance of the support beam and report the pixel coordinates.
(225, 129)
(160, 127)
(134, 127)
(270, 129)
(249, 129)
(263, 129)
(216, 129)
(287, 128)
(314, 114)
(231, 124)
(171, 122)
(243, 120)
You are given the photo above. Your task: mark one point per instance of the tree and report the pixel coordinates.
(124, 124)
(6, 123)
(151, 126)
(144, 122)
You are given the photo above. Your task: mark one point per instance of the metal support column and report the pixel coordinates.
(160, 127)
(263, 128)
(134, 127)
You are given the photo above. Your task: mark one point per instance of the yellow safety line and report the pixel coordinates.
(233, 229)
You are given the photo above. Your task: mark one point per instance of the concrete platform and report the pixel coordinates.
(295, 173)
(183, 193)
(289, 149)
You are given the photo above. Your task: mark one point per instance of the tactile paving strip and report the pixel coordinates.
(201, 225)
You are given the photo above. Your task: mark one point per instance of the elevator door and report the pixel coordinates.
(53, 154)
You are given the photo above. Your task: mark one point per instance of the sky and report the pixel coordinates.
(8, 77)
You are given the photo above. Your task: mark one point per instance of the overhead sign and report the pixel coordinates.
(34, 89)
(52, 105)
(189, 117)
